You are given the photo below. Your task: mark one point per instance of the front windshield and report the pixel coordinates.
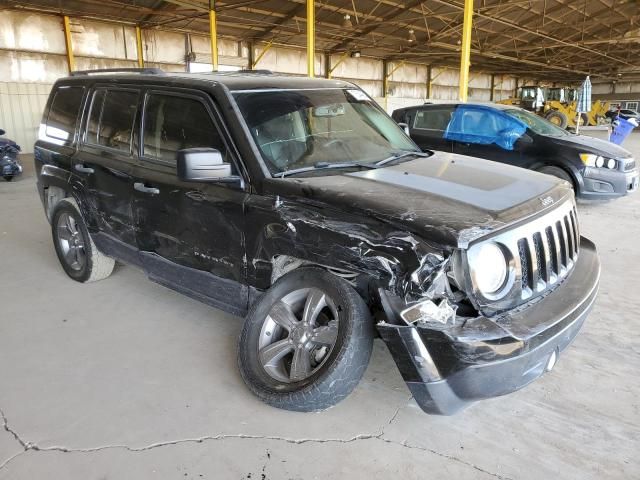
(536, 124)
(305, 128)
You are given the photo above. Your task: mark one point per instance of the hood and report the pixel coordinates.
(448, 198)
(584, 144)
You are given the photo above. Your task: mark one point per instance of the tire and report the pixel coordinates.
(333, 371)
(76, 251)
(559, 173)
(8, 178)
(559, 119)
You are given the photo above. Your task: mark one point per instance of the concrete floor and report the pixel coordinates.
(125, 379)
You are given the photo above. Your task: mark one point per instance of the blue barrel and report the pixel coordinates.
(621, 131)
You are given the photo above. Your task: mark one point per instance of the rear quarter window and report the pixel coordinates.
(60, 123)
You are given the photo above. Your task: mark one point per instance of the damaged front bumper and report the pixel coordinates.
(448, 368)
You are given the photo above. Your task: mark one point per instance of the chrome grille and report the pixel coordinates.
(523, 251)
(541, 252)
(548, 253)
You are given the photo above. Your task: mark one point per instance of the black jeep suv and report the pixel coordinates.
(301, 205)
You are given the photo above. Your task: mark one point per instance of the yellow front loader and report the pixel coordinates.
(560, 108)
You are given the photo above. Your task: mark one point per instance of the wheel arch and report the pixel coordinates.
(53, 195)
(283, 264)
(574, 174)
(55, 184)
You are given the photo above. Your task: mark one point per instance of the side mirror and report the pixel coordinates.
(526, 139)
(404, 126)
(201, 165)
(2, 132)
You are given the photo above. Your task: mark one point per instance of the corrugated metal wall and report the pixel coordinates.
(21, 106)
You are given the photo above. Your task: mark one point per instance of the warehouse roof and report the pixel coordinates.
(548, 39)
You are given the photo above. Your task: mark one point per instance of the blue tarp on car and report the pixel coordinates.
(484, 125)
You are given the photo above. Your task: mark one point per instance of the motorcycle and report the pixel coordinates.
(9, 165)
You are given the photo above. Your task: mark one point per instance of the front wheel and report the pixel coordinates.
(306, 342)
(559, 173)
(8, 178)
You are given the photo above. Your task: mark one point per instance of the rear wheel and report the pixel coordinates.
(557, 118)
(76, 251)
(306, 342)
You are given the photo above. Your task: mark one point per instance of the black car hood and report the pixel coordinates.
(584, 144)
(449, 198)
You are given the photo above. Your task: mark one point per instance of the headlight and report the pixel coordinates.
(592, 160)
(489, 268)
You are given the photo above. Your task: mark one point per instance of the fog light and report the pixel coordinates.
(553, 358)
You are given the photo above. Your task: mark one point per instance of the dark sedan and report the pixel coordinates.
(596, 169)
(623, 113)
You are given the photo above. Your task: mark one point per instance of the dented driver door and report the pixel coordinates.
(190, 234)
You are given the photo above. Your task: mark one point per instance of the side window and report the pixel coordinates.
(111, 119)
(62, 116)
(433, 119)
(480, 122)
(484, 126)
(173, 123)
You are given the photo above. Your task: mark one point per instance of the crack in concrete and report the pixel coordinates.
(28, 446)
(444, 455)
(5, 425)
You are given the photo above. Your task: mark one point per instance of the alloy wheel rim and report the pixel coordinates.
(71, 242)
(298, 335)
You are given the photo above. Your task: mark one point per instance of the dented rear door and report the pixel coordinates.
(103, 167)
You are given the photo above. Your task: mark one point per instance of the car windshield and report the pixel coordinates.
(297, 129)
(537, 124)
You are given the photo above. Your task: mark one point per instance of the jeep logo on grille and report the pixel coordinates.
(546, 201)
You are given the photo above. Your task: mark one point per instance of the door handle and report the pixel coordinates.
(82, 169)
(139, 186)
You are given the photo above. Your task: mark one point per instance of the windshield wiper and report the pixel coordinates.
(325, 166)
(399, 155)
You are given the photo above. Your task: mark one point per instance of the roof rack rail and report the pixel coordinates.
(257, 72)
(149, 71)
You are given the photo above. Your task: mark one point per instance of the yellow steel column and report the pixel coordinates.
(311, 38)
(465, 53)
(213, 31)
(139, 47)
(71, 61)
